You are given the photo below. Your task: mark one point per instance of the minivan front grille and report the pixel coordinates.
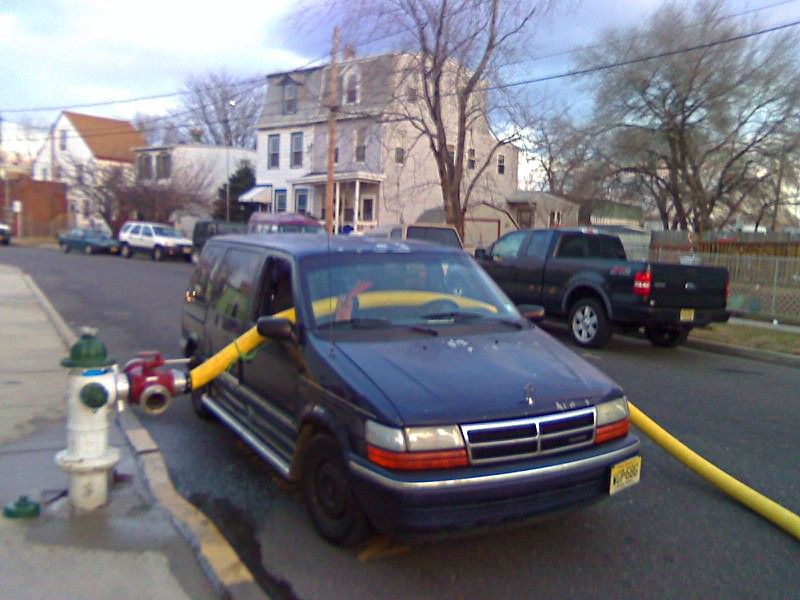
(525, 438)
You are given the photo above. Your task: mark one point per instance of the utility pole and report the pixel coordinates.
(333, 106)
(4, 174)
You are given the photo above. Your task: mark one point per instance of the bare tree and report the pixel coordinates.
(690, 128)
(218, 109)
(446, 89)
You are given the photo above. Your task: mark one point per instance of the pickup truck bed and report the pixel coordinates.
(585, 278)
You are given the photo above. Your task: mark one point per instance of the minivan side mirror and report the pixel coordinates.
(480, 253)
(275, 328)
(532, 312)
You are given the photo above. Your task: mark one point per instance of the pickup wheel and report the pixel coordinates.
(588, 323)
(328, 493)
(666, 338)
(125, 251)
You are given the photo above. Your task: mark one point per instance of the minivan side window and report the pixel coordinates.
(276, 291)
(232, 285)
(198, 285)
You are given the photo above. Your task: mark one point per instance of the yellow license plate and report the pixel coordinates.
(687, 314)
(625, 474)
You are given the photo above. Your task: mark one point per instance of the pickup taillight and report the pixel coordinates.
(642, 283)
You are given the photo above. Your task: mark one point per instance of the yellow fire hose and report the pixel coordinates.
(772, 511)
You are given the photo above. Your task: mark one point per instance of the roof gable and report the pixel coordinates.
(107, 139)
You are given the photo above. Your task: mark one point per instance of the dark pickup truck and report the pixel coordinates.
(587, 278)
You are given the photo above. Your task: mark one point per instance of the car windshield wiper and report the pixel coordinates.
(422, 329)
(360, 323)
(453, 315)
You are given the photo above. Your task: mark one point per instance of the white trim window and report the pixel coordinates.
(289, 97)
(351, 88)
(301, 200)
(360, 154)
(273, 151)
(501, 164)
(280, 200)
(296, 155)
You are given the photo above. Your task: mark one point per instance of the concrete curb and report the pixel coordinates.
(226, 571)
(776, 358)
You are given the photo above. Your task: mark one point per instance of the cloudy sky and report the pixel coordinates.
(56, 53)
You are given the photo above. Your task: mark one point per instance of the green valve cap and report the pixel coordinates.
(87, 353)
(21, 508)
(94, 395)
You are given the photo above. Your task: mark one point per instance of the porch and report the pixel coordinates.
(355, 199)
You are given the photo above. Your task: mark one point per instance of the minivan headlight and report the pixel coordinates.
(415, 448)
(612, 420)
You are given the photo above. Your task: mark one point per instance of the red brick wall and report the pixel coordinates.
(44, 206)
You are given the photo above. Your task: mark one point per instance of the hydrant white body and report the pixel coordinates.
(88, 458)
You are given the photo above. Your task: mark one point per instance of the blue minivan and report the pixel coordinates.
(400, 387)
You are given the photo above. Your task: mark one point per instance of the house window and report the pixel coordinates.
(555, 219)
(451, 153)
(289, 97)
(296, 160)
(471, 158)
(301, 200)
(361, 148)
(336, 155)
(351, 89)
(366, 209)
(273, 151)
(144, 168)
(501, 164)
(399, 155)
(411, 94)
(62, 139)
(280, 201)
(79, 174)
(163, 166)
(525, 218)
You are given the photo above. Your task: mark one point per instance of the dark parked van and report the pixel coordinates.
(206, 229)
(400, 386)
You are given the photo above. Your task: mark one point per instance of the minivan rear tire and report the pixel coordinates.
(328, 491)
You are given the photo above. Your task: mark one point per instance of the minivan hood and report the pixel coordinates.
(476, 378)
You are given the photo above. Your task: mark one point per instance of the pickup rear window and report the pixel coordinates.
(590, 246)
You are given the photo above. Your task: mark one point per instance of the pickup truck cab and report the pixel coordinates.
(584, 277)
(399, 386)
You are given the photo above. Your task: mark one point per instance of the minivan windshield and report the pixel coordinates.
(416, 289)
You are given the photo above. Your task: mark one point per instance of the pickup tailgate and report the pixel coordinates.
(688, 286)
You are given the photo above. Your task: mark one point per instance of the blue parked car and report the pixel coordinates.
(89, 241)
(400, 387)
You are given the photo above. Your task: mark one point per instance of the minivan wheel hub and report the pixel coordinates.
(331, 490)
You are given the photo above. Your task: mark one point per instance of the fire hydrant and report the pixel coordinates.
(95, 384)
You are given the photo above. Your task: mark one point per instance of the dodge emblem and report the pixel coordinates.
(528, 391)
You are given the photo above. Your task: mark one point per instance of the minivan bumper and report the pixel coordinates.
(473, 497)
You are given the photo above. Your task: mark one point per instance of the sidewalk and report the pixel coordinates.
(128, 549)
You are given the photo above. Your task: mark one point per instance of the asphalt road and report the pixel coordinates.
(672, 536)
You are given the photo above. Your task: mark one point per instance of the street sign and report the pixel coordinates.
(16, 206)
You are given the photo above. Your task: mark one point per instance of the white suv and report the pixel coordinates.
(157, 239)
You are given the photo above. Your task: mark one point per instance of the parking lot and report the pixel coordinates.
(671, 536)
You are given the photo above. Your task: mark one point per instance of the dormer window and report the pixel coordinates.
(351, 89)
(289, 97)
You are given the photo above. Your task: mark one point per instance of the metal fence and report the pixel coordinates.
(764, 287)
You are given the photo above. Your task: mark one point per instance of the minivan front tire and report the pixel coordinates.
(332, 505)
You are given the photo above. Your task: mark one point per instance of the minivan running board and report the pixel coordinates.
(265, 451)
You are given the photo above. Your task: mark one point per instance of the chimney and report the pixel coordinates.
(349, 52)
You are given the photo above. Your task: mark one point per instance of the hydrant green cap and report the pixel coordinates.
(94, 395)
(22, 508)
(87, 352)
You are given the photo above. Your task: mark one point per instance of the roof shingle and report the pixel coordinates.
(108, 139)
